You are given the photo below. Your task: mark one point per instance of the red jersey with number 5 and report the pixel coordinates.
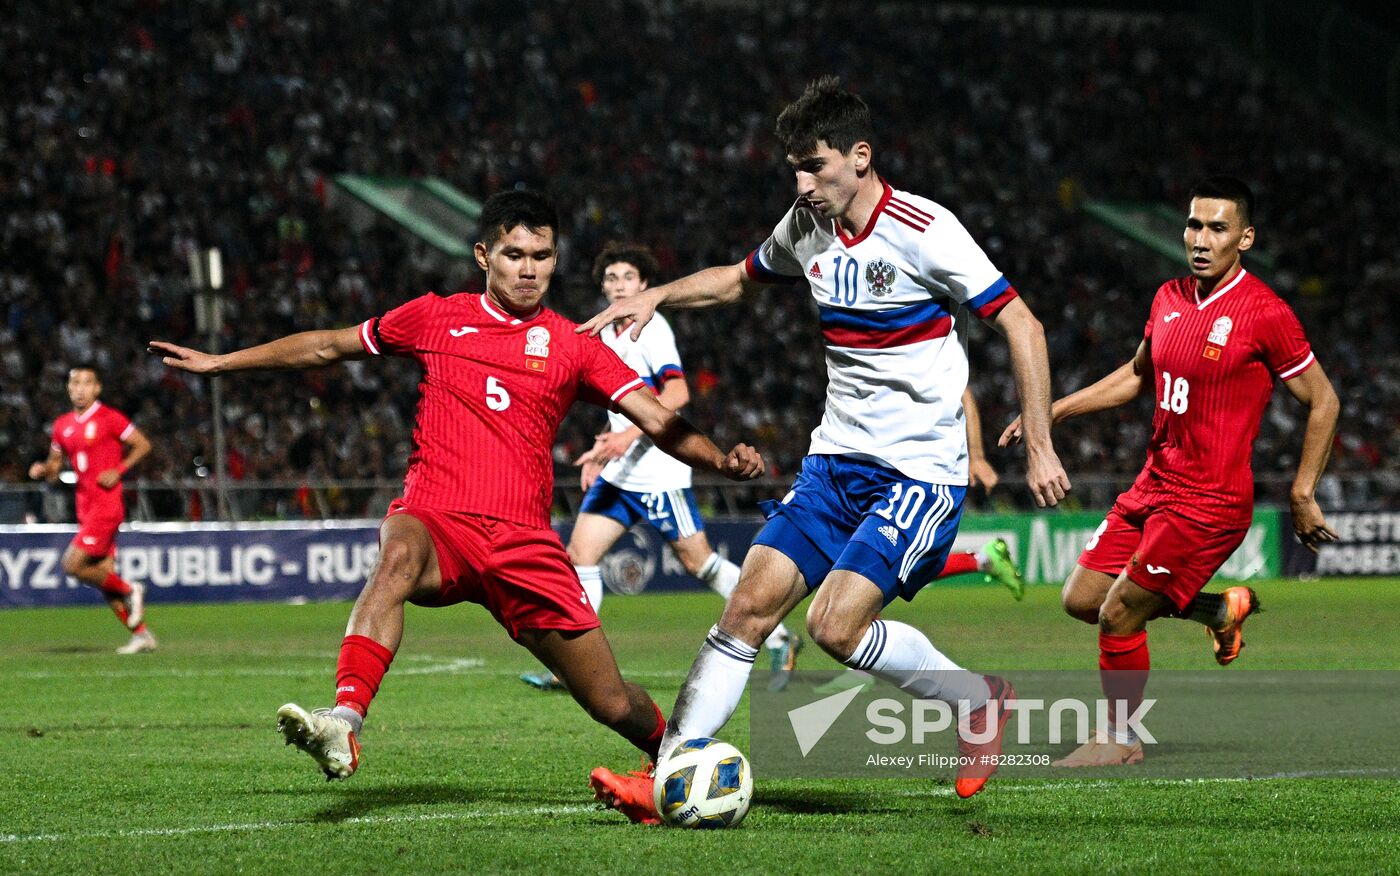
(92, 442)
(1214, 361)
(494, 390)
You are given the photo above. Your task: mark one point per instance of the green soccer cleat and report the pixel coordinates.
(783, 660)
(1002, 569)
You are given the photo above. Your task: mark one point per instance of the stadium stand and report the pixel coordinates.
(130, 137)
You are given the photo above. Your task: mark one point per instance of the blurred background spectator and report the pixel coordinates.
(137, 130)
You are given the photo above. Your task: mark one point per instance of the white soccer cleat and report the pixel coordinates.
(136, 608)
(139, 642)
(328, 739)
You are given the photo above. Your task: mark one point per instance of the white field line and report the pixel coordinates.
(141, 832)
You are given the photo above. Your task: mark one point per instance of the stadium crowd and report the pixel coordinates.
(136, 131)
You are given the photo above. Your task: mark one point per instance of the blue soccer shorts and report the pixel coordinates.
(843, 513)
(673, 513)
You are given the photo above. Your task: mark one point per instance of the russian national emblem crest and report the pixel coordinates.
(879, 278)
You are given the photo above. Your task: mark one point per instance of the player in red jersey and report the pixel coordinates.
(102, 445)
(499, 373)
(1213, 344)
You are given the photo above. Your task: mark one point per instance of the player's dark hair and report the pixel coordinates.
(87, 366)
(633, 254)
(503, 211)
(825, 111)
(1228, 188)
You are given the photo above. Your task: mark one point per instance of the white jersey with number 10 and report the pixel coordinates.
(887, 298)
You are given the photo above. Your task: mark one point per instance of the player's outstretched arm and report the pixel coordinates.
(676, 436)
(1030, 364)
(301, 350)
(1118, 387)
(707, 288)
(1313, 389)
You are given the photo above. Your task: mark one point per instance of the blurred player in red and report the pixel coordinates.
(102, 445)
(1213, 345)
(499, 373)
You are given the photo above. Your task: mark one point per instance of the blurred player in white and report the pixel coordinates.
(876, 507)
(627, 479)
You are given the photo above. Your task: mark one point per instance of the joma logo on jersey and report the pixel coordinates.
(879, 278)
(537, 342)
(464, 330)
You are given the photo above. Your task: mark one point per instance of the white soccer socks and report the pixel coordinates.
(591, 577)
(903, 656)
(712, 690)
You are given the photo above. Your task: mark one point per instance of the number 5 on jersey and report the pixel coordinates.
(497, 399)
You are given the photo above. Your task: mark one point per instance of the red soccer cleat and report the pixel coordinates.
(1240, 603)
(629, 794)
(980, 760)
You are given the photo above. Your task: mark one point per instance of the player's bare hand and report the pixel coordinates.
(37, 471)
(1046, 478)
(742, 464)
(1011, 435)
(608, 446)
(636, 310)
(981, 474)
(109, 478)
(589, 474)
(1309, 524)
(183, 358)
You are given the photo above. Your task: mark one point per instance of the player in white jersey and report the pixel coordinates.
(876, 506)
(627, 479)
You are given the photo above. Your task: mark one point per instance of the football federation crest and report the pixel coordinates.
(90, 432)
(537, 342)
(879, 278)
(1219, 334)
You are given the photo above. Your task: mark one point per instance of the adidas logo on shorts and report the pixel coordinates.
(889, 532)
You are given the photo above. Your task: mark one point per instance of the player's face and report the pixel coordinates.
(83, 388)
(518, 266)
(622, 280)
(1215, 236)
(828, 179)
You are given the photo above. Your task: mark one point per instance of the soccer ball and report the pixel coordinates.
(705, 783)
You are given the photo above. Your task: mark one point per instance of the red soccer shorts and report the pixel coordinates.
(1162, 551)
(97, 535)
(520, 574)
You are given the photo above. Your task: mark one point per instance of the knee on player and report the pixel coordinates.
(749, 615)
(836, 635)
(400, 565)
(1080, 605)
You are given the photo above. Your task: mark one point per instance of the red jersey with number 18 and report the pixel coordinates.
(494, 389)
(92, 441)
(1214, 361)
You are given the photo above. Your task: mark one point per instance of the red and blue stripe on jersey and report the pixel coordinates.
(896, 327)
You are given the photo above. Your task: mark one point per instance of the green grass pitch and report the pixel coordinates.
(169, 762)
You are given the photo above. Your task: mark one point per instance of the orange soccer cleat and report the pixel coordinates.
(1240, 603)
(629, 794)
(980, 760)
